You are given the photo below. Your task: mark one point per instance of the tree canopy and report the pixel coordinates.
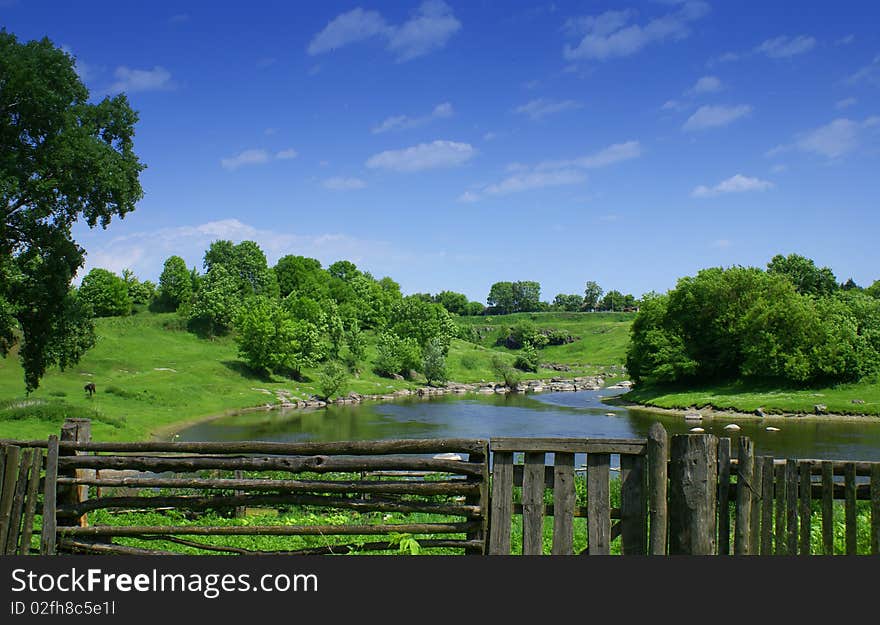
(62, 159)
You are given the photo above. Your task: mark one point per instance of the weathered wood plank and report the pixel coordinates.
(767, 493)
(724, 496)
(875, 510)
(806, 509)
(744, 495)
(533, 504)
(850, 508)
(14, 531)
(502, 503)
(827, 508)
(267, 530)
(633, 506)
(570, 445)
(791, 506)
(693, 484)
(658, 443)
(563, 504)
(479, 501)
(7, 492)
(757, 505)
(30, 509)
(598, 504)
(781, 490)
(48, 536)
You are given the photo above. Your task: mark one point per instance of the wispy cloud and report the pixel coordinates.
(613, 34)
(868, 74)
(785, 47)
(735, 184)
(429, 28)
(339, 183)
(434, 155)
(404, 122)
(845, 103)
(715, 116)
(255, 156)
(833, 140)
(541, 107)
(553, 173)
(706, 84)
(130, 80)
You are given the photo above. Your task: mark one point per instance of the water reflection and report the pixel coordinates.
(580, 414)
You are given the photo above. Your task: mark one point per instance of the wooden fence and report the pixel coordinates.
(691, 494)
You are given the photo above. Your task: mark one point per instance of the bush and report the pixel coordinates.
(332, 378)
(504, 371)
(106, 292)
(397, 356)
(527, 359)
(434, 364)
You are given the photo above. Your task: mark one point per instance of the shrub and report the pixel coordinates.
(332, 378)
(434, 364)
(527, 359)
(507, 373)
(396, 355)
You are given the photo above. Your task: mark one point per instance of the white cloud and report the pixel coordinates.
(735, 184)
(536, 109)
(845, 41)
(437, 154)
(554, 173)
(612, 34)
(845, 103)
(707, 84)
(339, 183)
(428, 29)
(785, 46)
(869, 73)
(674, 105)
(404, 122)
(134, 80)
(247, 157)
(835, 139)
(286, 154)
(714, 116)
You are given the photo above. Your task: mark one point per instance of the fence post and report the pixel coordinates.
(745, 487)
(658, 443)
(78, 431)
(693, 487)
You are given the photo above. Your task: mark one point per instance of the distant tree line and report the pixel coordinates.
(525, 296)
(791, 323)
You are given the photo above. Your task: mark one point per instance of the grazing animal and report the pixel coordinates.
(89, 388)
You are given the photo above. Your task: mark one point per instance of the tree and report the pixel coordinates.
(396, 355)
(526, 296)
(62, 159)
(302, 275)
(473, 309)
(592, 294)
(216, 305)
(344, 270)
(569, 303)
(106, 292)
(331, 378)
(613, 301)
(413, 318)
(139, 292)
(874, 290)
(454, 303)
(807, 278)
(434, 363)
(501, 297)
(175, 284)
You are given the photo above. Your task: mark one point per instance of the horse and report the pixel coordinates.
(89, 388)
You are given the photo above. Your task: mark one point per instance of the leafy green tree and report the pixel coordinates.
(526, 296)
(501, 298)
(850, 285)
(807, 278)
(303, 276)
(344, 270)
(413, 318)
(874, 290)
(454, 303)
(175, 284)
(434, 363)
(106, 293)
(506, 372)
(332, 378)
(220, 252)
(396, 355)
(356, 345)
(216, 305)
(474, 309)
(139, 292)
(305, 309)
(592, 294)
(62, 159)
(246, 262)
(569, 303)
(657, 353)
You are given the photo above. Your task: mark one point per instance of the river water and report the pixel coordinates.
(579, 414)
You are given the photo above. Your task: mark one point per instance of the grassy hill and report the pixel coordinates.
(150, 374)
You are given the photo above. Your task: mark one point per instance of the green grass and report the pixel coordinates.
(748, 397)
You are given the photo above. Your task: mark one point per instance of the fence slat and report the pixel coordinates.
(806, 510)
(791, 506)
(533, 504)
(767, 506)
(598, 504)
(781, 489)
(745, 478)
(827, 508)
(14, 531)
(502, 503)
(693, 488)
(633, 506)
(657, 484)
(875, 509)
(30, 508)
(849, 484)
(47, 539)
(724, 497)
(7, 492)
(757, 506)
(563, 504)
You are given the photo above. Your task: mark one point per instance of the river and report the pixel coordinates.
(567, 414)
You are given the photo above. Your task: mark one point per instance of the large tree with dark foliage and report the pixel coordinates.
(62, 159)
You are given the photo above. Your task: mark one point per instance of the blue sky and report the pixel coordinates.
(454, 144)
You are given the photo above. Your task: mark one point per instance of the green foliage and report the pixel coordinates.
(332, 378)
(422, 322)
(396, 355)
(301, 275)
(615, 300)
(874, 290)
(503, 370)
(525, 333)
(106, 293)
(434, 363)
(305, 309)
(513, 297)
(570, 303)
(527, 359)
(175, 284)
(246, 263)
(217, 303)
(807, 278)
(356, 344)
(454, 303)
(139, 292)
(592, 294)
(473, 309)
(63, 158)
